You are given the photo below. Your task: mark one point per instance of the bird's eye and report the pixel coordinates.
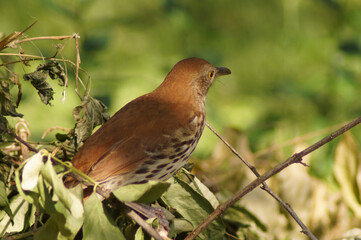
(210, 74)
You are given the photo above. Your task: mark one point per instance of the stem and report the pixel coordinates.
(296, 158)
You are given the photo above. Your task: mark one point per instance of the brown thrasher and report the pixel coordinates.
(153, 136)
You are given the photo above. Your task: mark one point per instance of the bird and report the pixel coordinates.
(153, 136)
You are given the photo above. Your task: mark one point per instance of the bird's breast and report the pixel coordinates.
(168, 157)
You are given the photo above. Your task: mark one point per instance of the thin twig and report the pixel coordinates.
(19, 139)
(289, 209)
(296, 158)
(78, 61)
(253, 169)
(44, 38)
(12, 37)
(24, 235)
(34, 58)
(132, 214)
(146, 226)
(265, 187)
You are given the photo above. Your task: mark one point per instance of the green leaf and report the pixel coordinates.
(31, 171)
(203, 190)
(97, 222)
(61, 225)
(68, 225)
(4, 202)
(70, 200)
(49, 230)
(139, 235)
(142, 193)
(44, 198)
(181, 225)
(251, 216)
(19, 207)
(192, 206)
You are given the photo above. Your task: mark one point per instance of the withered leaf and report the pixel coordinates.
(7, 105)
(87, 116)
(54, 70)
(3, 126)
(38, 80)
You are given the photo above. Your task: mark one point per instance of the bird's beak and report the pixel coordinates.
(220, 71)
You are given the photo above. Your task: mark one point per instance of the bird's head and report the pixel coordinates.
(192, 76)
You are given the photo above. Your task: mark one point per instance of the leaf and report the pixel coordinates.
(68, 225)
(8, 39)
(4, 201)
(3, 127)
(61, 224)
(54, 70)
(87, 116)
(347, 172)
(31, 171)
(203, 190)
(251, 216)
(70, 201)
(43, 199)
(38, 80)
(4, 171)
(7, 105)
(139, 235)
(49, 230)
(192, 206)
(181, 225)
(19, 207)
(142, 193)
(97, 222)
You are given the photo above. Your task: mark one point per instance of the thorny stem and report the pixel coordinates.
(296, 158)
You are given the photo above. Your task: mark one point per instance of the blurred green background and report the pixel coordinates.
(295, 64)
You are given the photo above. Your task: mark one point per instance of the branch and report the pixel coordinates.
(44, 38)
(19, 139)
(12, 37)
(146, 226)
(296, 158)
(266, 188)
(78, 61)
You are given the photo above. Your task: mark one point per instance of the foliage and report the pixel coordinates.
(38, 79)
(295, 77)
(61, 213)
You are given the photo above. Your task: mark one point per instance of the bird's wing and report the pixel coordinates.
(121, 158)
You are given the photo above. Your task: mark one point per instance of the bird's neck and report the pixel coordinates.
(180, 94)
